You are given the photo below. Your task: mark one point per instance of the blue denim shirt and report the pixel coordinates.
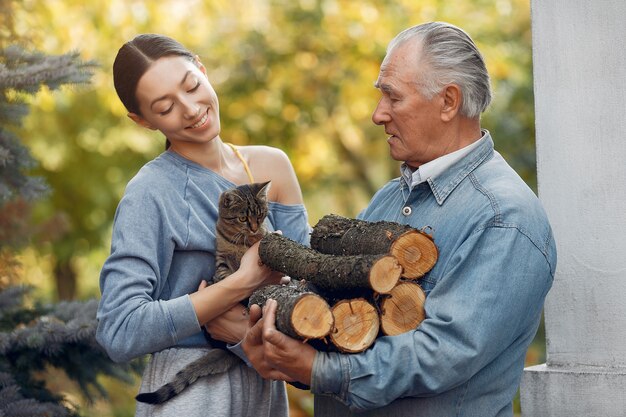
(484, 300)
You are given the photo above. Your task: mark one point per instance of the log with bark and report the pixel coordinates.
(335, 274)
(402, 309)
(414, 249)
(356, 325)
(300, 313)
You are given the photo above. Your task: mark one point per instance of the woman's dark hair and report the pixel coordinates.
(133, 60)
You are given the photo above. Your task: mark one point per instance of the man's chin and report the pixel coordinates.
(395, 155)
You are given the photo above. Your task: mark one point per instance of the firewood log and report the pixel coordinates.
(300, 313)
(329, 273)
(356, 325)
(414, 249)
(402, 309)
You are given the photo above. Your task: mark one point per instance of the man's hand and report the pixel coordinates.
(275, 355)
(252, 345)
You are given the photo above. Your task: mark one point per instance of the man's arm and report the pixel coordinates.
(488, 300)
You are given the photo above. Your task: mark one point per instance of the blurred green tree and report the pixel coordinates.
(34, 336)
(292, 74)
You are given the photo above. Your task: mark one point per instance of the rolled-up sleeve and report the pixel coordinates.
(488, 296)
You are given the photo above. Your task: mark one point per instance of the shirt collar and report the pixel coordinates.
(444, 173)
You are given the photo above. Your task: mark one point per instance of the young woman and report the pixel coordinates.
(163, 242)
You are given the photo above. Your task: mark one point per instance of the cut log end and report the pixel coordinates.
(403, 309)
(416, 252)
(385, 274)
(356, 325)
(312, 317)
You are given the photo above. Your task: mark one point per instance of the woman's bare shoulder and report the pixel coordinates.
(272, 164)
(264, 158)
(263, 151)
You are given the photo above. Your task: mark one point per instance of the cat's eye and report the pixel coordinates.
(242, 218)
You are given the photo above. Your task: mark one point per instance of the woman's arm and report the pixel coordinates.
(132, 319)
(133, 316)
(212, 301)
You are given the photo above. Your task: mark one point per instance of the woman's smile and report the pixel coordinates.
(200, 123)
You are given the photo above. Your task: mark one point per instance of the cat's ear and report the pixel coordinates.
(264, 188)
(226, 199)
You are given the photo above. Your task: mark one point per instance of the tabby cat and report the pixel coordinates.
(241, 213)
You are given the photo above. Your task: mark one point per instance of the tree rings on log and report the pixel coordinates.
(311, 317)
(415, 250)
(385, 274)
(300, 313)
(356, 325)
(329, 273)
(403, 309)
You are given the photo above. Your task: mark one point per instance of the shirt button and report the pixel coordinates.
(406, 211)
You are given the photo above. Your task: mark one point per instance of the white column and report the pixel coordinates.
(579, 54)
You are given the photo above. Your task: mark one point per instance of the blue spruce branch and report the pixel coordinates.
(28, 71)
(61, 336)
(13, 403)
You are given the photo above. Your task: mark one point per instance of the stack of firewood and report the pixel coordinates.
(355, 283)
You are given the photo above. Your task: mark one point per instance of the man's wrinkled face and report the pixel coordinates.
(411, 120)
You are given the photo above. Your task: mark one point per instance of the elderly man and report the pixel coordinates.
(496, 252)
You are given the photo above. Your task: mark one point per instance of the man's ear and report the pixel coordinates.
(451, 102)
(140, 121)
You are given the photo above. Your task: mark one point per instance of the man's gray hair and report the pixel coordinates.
(452, 58)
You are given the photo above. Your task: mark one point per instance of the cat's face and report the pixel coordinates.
(244, 208)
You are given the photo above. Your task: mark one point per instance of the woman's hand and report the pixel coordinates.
(210, 302)
(253, 269)
(231, 326)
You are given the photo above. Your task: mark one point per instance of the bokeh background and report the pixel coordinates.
(295, 74)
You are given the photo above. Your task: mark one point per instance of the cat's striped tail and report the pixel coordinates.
(216, 361)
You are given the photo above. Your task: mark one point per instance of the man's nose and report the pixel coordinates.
(380, 115)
